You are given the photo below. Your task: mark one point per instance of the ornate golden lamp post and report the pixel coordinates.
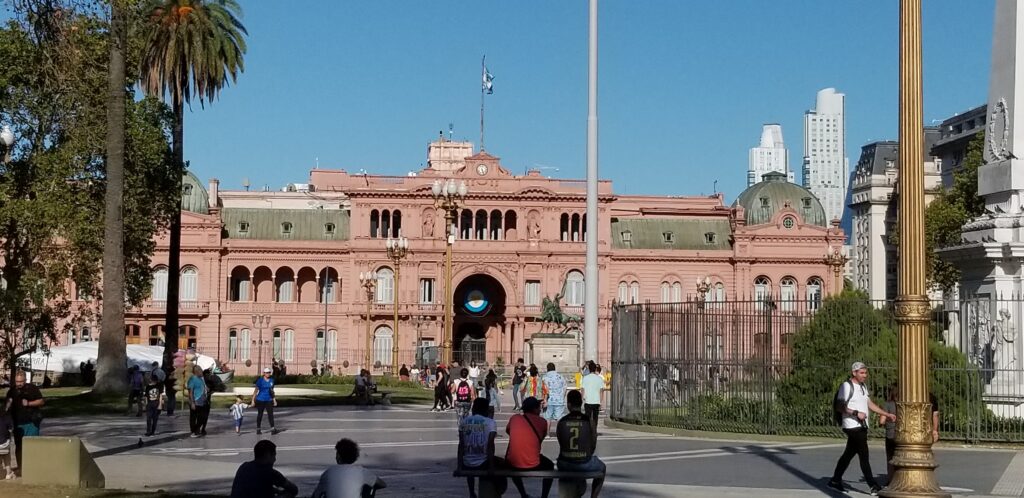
(397, 249)
(369, 282)
(914, 460)
(260, 321)
(448, 196)
(837, 260)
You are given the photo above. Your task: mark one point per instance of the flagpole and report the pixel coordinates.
(483, 78)
(590, 303)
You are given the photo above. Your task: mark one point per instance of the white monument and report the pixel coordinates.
(991, 254)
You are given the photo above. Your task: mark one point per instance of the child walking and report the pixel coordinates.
(154, 396)
(237, 413)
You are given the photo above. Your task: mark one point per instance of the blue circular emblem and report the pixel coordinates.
(476, 301)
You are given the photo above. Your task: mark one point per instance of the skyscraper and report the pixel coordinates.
(770, 156)
(826, 169)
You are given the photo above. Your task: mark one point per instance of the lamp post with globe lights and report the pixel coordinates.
(837, 260)
(7, 140)
(448, 195)
(369, 282)
(260, 321)
(397, 250)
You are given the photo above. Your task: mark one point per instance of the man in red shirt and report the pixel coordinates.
(526, 432)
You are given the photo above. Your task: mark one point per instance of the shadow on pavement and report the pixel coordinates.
(774, 455)
(141, 443)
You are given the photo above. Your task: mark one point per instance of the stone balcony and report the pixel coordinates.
(185, 308)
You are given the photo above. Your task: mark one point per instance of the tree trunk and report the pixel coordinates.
(112, 357)
(174, 245)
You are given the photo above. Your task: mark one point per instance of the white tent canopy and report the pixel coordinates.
(66, 359)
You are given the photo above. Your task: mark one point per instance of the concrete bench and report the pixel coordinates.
(60, 461)
(570, 484)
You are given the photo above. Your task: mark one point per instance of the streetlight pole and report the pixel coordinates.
(397, 250)
(448, 196)
(914, 460)
(837, 260)
(369, 282)
(326, 282)
(260, 321)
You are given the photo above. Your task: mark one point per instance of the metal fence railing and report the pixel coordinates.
(771, 366)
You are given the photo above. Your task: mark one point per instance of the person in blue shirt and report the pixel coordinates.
(198, 402)
(263, 398)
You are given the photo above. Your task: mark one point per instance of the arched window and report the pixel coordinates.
(189, 283)
(634, 293)
(240, 284)
(480, 226)
(277, 344)
(814, 293)
(332, 345)
(285, 286)
(788, 295)
(719, 293)
(133, 334)
(70, 337)
(159, 291)
(382, 340)
(188, 336)
(510, 225)
(289, 345)
(374, 223)
(574, 227)
(385, 286)
(396, 224)
(327, 291)
(232, 344)
(495, 226)
(762, 290)
(86, 334)
(623, 292)
(563, 227)
(385, 223)
(321, 345)
(677, 292)
(583, 228)
(575, 288)
(466, 224)
(666, 292)
(244, 341)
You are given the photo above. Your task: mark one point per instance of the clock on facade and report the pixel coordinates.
(481, 169)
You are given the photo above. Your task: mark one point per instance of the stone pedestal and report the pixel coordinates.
(561, 349)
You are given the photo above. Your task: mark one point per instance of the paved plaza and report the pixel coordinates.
(414, 451)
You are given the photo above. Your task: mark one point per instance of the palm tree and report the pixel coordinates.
(111, 356)
(192, 48)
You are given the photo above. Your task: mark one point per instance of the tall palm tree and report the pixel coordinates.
(111, 355)
(192, 48)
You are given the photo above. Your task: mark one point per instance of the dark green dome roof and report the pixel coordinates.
(194, 197)
(762, 200)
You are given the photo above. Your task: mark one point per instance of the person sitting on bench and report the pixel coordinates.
(526, 432)
(577, 440)
(476, 446)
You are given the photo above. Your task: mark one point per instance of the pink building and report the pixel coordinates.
(296, 255)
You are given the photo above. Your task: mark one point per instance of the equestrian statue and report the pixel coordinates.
(551, 313)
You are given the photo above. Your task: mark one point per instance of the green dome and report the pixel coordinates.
(194, 197)
(762, 200)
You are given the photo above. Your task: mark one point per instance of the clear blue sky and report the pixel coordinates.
(684, 85)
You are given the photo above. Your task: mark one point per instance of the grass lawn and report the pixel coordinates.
(19, 490)
(66, 401)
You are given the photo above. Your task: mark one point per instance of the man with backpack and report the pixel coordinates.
(465, 393)
(850, 410)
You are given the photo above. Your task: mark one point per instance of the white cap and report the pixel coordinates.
(267, 370)
(857, 366)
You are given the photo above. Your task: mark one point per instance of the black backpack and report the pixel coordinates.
(839, 404)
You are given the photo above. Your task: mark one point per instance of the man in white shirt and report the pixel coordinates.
(592, 385)
(474, 374)
(347, 480)
(855, 401)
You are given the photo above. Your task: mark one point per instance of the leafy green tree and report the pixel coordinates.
(192, 48)
(54, 70)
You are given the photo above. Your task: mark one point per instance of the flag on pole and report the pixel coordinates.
(488, 81)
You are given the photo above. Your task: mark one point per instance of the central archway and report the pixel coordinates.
(479, 318)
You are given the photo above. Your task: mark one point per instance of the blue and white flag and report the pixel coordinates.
(488, 81)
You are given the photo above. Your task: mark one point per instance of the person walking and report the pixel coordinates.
(24, 402)
(593, 385)
(852, 403)
(238, 413)
(492, 393)
(554, 389)
(518, 373)
(264, 399)
(154, 396)
(474, 374)
(259, 479)
(135, 386)
(465, 393)
(198, 401)
(533, 387)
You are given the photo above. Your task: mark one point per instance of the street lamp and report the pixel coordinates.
(448, 195)
(7, 139)
(260, 321)
(397, 250)
(703, 286)
(837, 260)
(369, 282)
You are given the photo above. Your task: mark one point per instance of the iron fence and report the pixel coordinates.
(771, 366)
